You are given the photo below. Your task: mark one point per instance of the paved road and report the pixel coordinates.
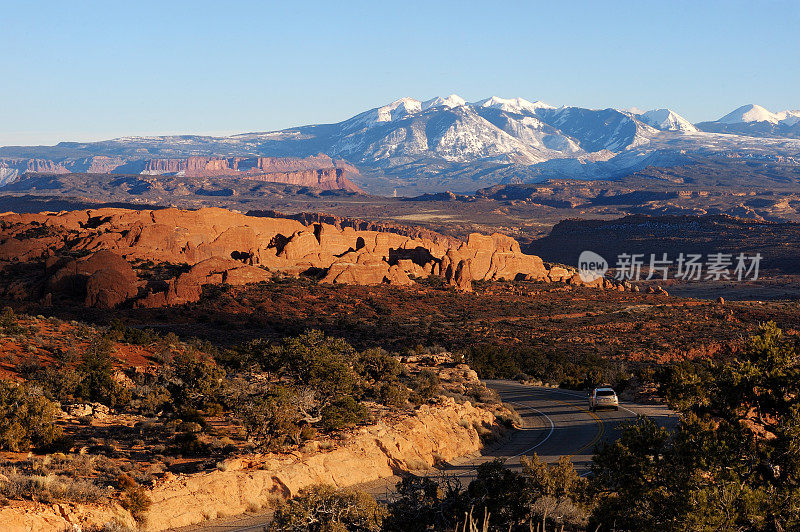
(555, 423)
(558, 422)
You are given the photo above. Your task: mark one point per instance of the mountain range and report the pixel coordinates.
(411, 146)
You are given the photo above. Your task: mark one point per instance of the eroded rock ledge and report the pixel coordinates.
(410, 443)
(92, 255)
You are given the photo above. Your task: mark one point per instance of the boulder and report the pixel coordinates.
(94, 410)
(108, 289)
(497, 257)
(396, 276)
(16, 250)
(558, 274)
(245, 275)
(103, 279)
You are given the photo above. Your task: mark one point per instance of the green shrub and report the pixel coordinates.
(49, 488)
(322, 363)
(343, 412)
(26, 418)
(8, 322)
(131, 335)
(307, 432)
(188, 444)
(195, 380)
(379, 366)
(59, 381)
(272, 419)
(540, 497)
(96, 374)
(425, 503)
(151, 398)
(426, 386)
(393, 394)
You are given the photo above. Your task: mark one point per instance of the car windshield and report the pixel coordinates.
(605, 393)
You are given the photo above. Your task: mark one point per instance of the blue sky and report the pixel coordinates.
(86, 70)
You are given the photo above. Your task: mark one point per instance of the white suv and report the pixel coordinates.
(603, 397)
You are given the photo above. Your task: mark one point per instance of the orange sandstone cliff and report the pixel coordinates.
(95, 254)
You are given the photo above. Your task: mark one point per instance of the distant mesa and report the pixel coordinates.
(318, 171)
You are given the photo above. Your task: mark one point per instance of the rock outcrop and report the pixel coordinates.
(221, 246)
(188, 287)
(379, 451)
(58, 517)
(104, 278)
(409, 443)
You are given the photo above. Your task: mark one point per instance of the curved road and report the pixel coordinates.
(555, 422)
(558, 422)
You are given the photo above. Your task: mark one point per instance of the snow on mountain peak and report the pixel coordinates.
(398, 108)
(454, 100)
(405, 107)
(789, 118)
(512, 105)
(667, 120)
(749, 113)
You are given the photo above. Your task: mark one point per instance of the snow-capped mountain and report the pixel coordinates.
(447, 142)
(454, 100)
(749, 113)
(754, 120)
(499, 130)
(512, 105)
(667, 120)
(405, 132)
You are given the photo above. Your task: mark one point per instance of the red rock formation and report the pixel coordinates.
(98, 164)
(164, 166)
(228, 247)
(188, 287)
(462, 279)
(324, 179)
(20, 166)
(319, 171)
(494, 257)
(103, 279)
(340, 222)
(15, 250)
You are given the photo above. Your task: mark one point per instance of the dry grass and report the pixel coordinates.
(50, 488)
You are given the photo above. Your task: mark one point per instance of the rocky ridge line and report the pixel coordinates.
(95, 255)
(318, 171)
